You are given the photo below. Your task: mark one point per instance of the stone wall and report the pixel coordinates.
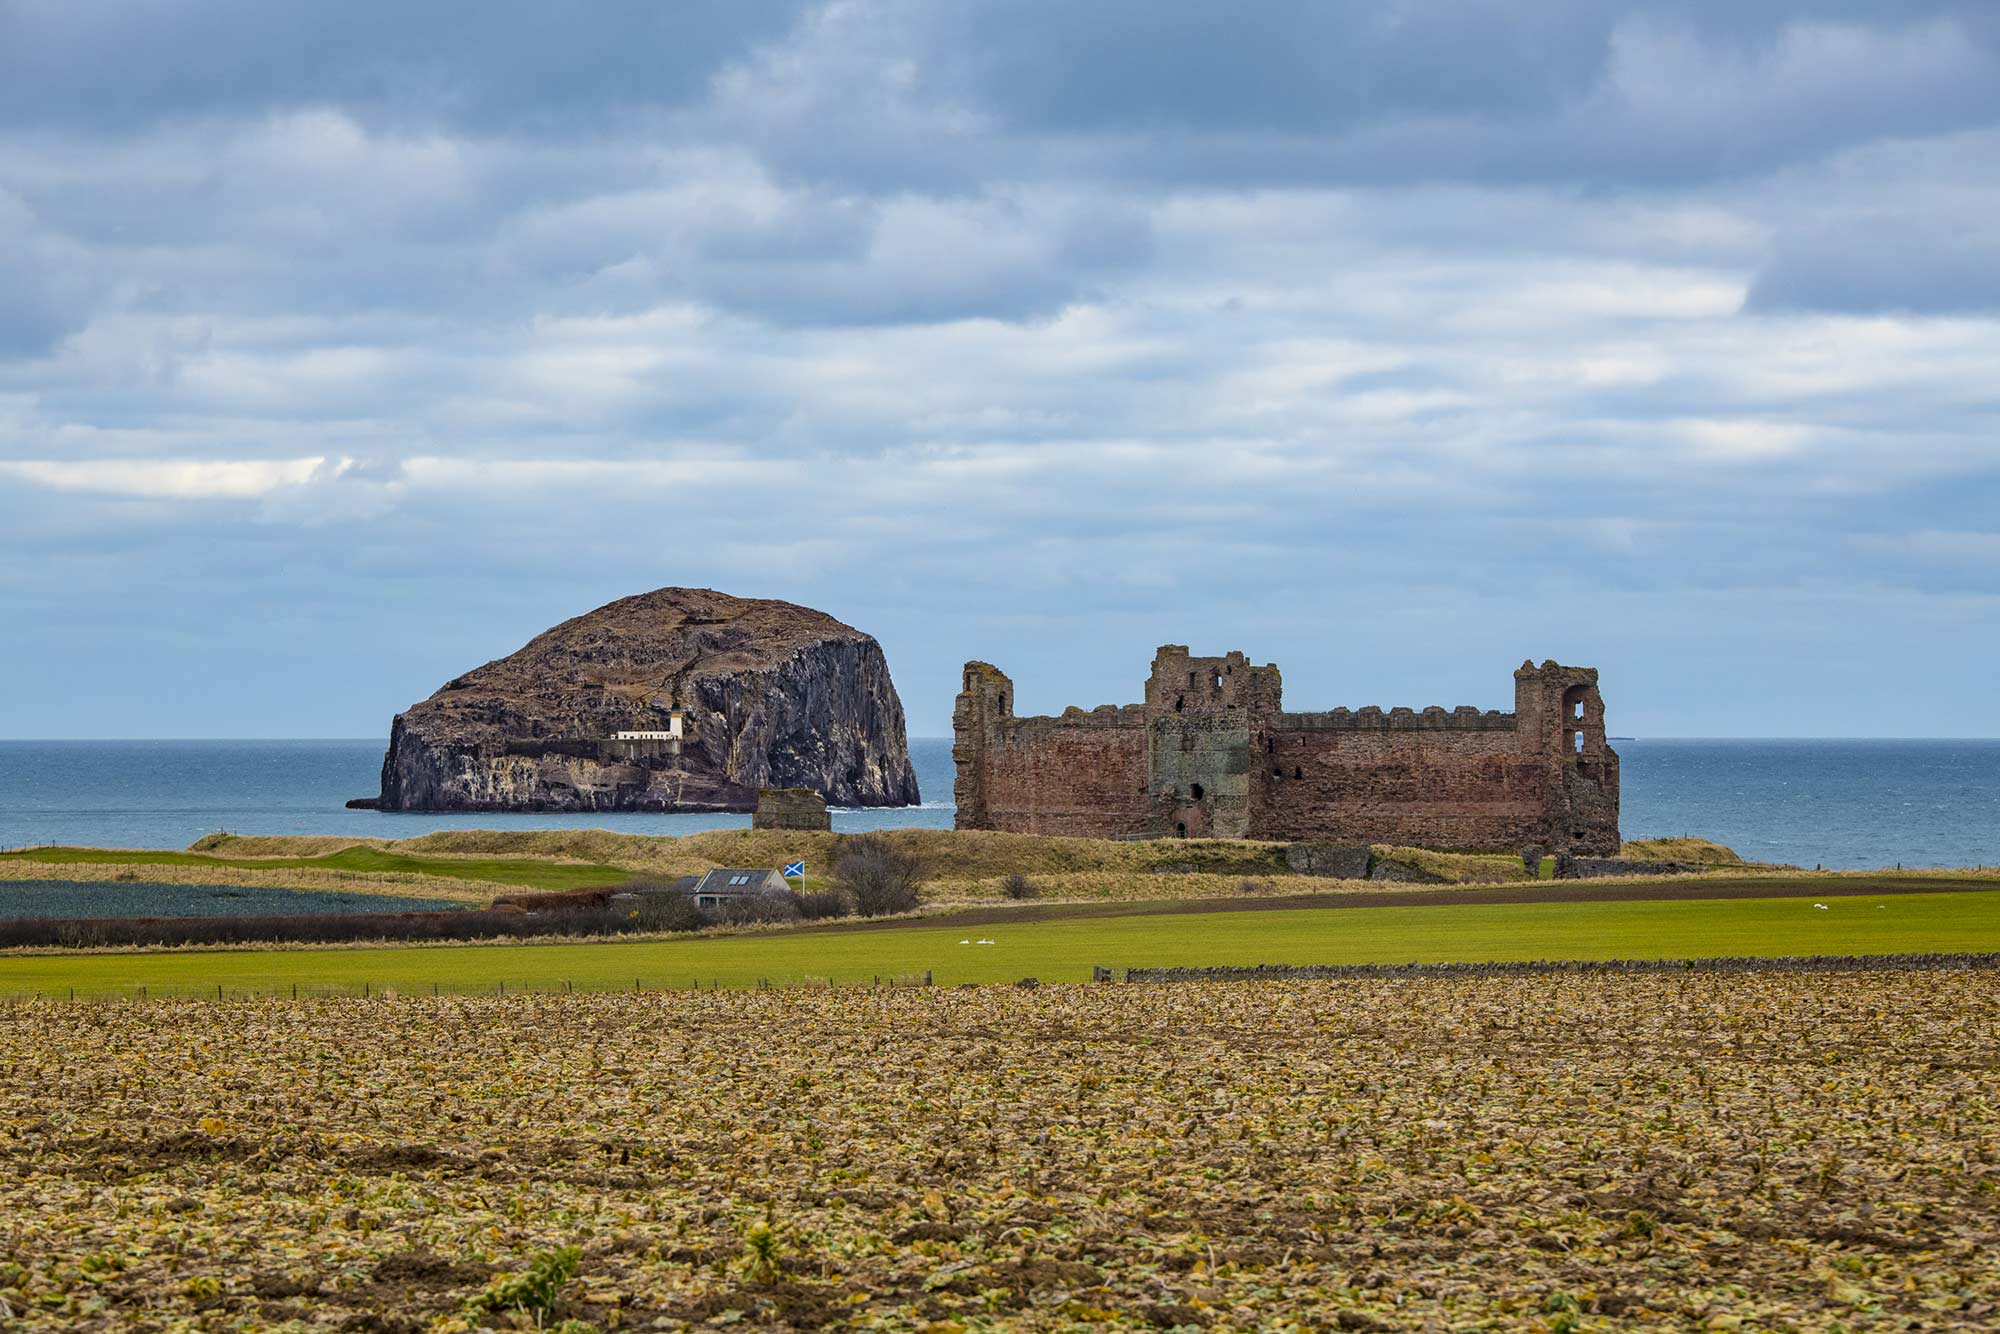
(1796, 963)
(1211, 753)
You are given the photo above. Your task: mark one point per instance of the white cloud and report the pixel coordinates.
(166, 479)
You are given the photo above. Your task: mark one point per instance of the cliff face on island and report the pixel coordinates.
(772, 695)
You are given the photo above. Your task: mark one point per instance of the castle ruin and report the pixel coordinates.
(1212, 754)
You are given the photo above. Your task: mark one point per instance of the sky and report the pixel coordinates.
(344, 347)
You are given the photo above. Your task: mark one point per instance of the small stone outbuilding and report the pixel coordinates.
(790, 808)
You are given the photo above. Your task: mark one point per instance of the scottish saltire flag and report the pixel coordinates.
(795, 870)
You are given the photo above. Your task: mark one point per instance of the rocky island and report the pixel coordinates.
(681, 699)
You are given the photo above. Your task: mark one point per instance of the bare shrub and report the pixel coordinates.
(756, 909)
(1255, 887)
(878, 875)
(668, 910)
(1018, 887)
(820, 904)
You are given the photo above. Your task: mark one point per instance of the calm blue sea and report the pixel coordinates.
(1831, 803)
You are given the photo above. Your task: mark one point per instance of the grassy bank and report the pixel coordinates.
(966, 865)
(360, 859)
(1065, 950)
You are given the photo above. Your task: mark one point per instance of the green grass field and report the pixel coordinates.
(528, 873)
(1064, 951)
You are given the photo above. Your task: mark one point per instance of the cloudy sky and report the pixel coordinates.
(345, 346)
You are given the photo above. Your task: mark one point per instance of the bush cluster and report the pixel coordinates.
(866, 880)
(877, 875)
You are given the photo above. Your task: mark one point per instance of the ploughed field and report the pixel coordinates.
(1722, 1151)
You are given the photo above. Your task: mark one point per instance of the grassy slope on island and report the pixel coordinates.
(1065, 950)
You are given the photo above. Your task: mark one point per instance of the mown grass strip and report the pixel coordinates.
(527, 873)
(1065, 951)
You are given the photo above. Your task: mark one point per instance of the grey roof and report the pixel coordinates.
(739, 880)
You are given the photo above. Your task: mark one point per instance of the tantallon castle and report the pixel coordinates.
(1211, 753)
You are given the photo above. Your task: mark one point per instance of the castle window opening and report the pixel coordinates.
(1187, 743)
(1277, 773)
(1579, 742)
(1218, 680)
(1579, 710)
(1297, 772)
(1196, 790)
(1180, 831)
(1180, 703)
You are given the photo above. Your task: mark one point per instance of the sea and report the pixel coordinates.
(1847, 804)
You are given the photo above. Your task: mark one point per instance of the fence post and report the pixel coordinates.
(434, 988)
(927, 977)
(364, 991)
(500, 988)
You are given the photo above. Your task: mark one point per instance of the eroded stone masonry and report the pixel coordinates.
(1213, 753)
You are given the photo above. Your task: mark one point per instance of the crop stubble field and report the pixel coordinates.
(1756, 1152)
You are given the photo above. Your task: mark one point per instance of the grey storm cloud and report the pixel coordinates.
(1915, 266)
(1589, 330)
(516, 63)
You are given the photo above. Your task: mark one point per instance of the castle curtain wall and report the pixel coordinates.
(1435, 787)
(1049, 776)
(1211, 753)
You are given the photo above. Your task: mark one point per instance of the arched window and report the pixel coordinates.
(1197, 791)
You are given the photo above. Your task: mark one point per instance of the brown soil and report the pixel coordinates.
(1557, 891)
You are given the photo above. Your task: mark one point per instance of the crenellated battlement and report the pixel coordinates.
(1373, 719)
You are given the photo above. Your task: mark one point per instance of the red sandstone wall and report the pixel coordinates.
(1048, 777)
(1432, 788)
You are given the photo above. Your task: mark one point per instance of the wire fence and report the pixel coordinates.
(366, 989)
(501, 988)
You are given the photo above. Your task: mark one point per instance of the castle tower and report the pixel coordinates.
(986, 701)
(1200, 716)
(1561, 721)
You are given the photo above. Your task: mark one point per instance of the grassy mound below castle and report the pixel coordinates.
(966, 866)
